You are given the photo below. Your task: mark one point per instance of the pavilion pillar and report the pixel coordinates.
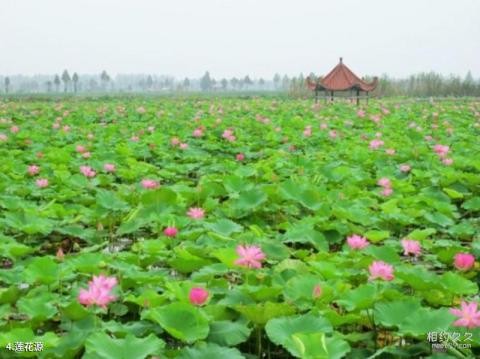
(358, 97)
(331, 96)
(367, 98)
(316, 95)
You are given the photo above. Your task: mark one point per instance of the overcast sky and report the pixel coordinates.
(235, 38)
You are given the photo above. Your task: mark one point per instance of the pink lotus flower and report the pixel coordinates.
(14, 129)
(149, 184)
(240, 157)
(379, 269)
(384, 182)
(56, 126)
(151, 129)
(361, 113)
(33, 170)
(3, 137)
(197, 133)
(227, 133)
(98, 291)
(183, 146)
(198, 296)
(307, 132)
(134, 138)
(109, 167)
(251, 256)
(464, 261)
(317, 291)
(196, 213)
(411, 247)
(86, 155)
(278, 129)
(170, 231)
(80, 149)
(231, 138)
(374, 144)
(87, 171)
(441, 150)
(60, 255)
(357, 242)
(323, 126)
(390, 151)
(405, 168)
(42, 182)
(66, 128)
(375, 118)
(469, 315)
(447, 161)
(387, 192)
(140, 109)
(174, 141)
(333, 134)
(428, 138)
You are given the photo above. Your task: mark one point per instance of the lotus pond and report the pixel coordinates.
(239, 228)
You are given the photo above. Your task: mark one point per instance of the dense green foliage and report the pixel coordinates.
(296, 196)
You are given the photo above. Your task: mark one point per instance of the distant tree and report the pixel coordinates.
(105, 79)
(285, 82)
(149, 82)
(276, 80)
(468, 84)
(247, 81)
(56, 81)
(49, 86)
(224, 83)
(75, 82)
(234, 82)
(261, 82)
(186, 83)
(301, 79)
(7, 84)
(169, 83)
(206, 82)
(66, 80)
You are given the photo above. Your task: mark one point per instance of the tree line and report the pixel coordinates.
(419, 85)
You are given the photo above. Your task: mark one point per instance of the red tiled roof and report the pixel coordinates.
(342, 78)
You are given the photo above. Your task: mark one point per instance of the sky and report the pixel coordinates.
(185, 38)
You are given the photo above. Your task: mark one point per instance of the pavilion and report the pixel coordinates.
(341, 78)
